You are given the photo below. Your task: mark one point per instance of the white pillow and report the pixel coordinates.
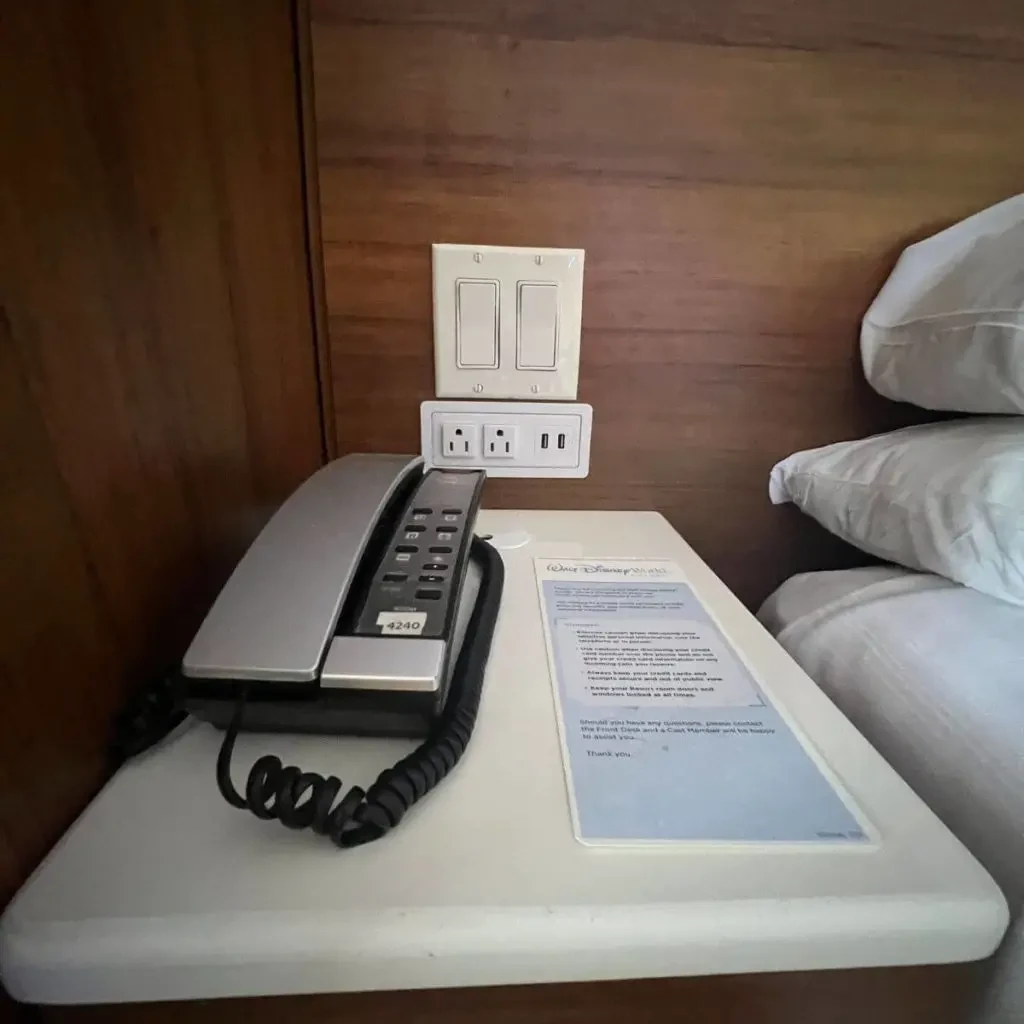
(947, 329)
(944, 497)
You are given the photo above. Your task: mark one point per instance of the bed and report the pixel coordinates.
(932, 673)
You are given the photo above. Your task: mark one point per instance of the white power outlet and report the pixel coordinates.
(525, 439)
(500, 441)
(460, 440)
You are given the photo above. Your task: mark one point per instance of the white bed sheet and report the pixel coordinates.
(932, 673)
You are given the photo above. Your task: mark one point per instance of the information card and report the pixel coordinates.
(666, 736)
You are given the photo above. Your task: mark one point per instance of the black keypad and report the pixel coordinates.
(424, 556)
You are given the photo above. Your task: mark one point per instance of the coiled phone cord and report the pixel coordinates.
(301, 799)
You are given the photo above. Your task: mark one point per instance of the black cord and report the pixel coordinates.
(301, 799)
(149, 714)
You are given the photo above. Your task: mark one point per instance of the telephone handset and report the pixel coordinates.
(350, 613)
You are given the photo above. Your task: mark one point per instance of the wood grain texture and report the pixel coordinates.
(311, 193)
(988, 29)
(916, 995)
(742, 177)
(158, 389)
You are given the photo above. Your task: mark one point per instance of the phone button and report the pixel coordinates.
(440, 549)
(414, 528)
(410, 548)
(435, 567)
(422, 511)
(452, 512)
(447, 529)
(426, 594)
(431, 578)
(395, 577)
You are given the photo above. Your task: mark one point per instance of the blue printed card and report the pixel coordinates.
(666, 735)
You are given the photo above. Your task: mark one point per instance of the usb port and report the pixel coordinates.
(561, 440)
(545, 439)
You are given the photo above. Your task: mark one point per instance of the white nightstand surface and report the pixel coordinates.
(162, 891)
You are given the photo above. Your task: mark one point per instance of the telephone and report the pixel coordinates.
(350, 613)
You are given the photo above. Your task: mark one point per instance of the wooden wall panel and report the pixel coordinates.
(742, 177)
(989, 29)
(158, 387)
(913, 995)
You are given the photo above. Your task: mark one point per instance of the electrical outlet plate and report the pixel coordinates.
(513, 292)
(524, 439)
(459, 440)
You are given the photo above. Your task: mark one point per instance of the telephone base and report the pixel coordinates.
(323, 715)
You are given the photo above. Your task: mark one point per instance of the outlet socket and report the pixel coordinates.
(460, 440)
(523, 439)
(500, 441)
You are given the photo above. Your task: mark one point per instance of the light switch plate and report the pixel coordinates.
(536, 358)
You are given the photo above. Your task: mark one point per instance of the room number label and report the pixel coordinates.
(402, 623)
